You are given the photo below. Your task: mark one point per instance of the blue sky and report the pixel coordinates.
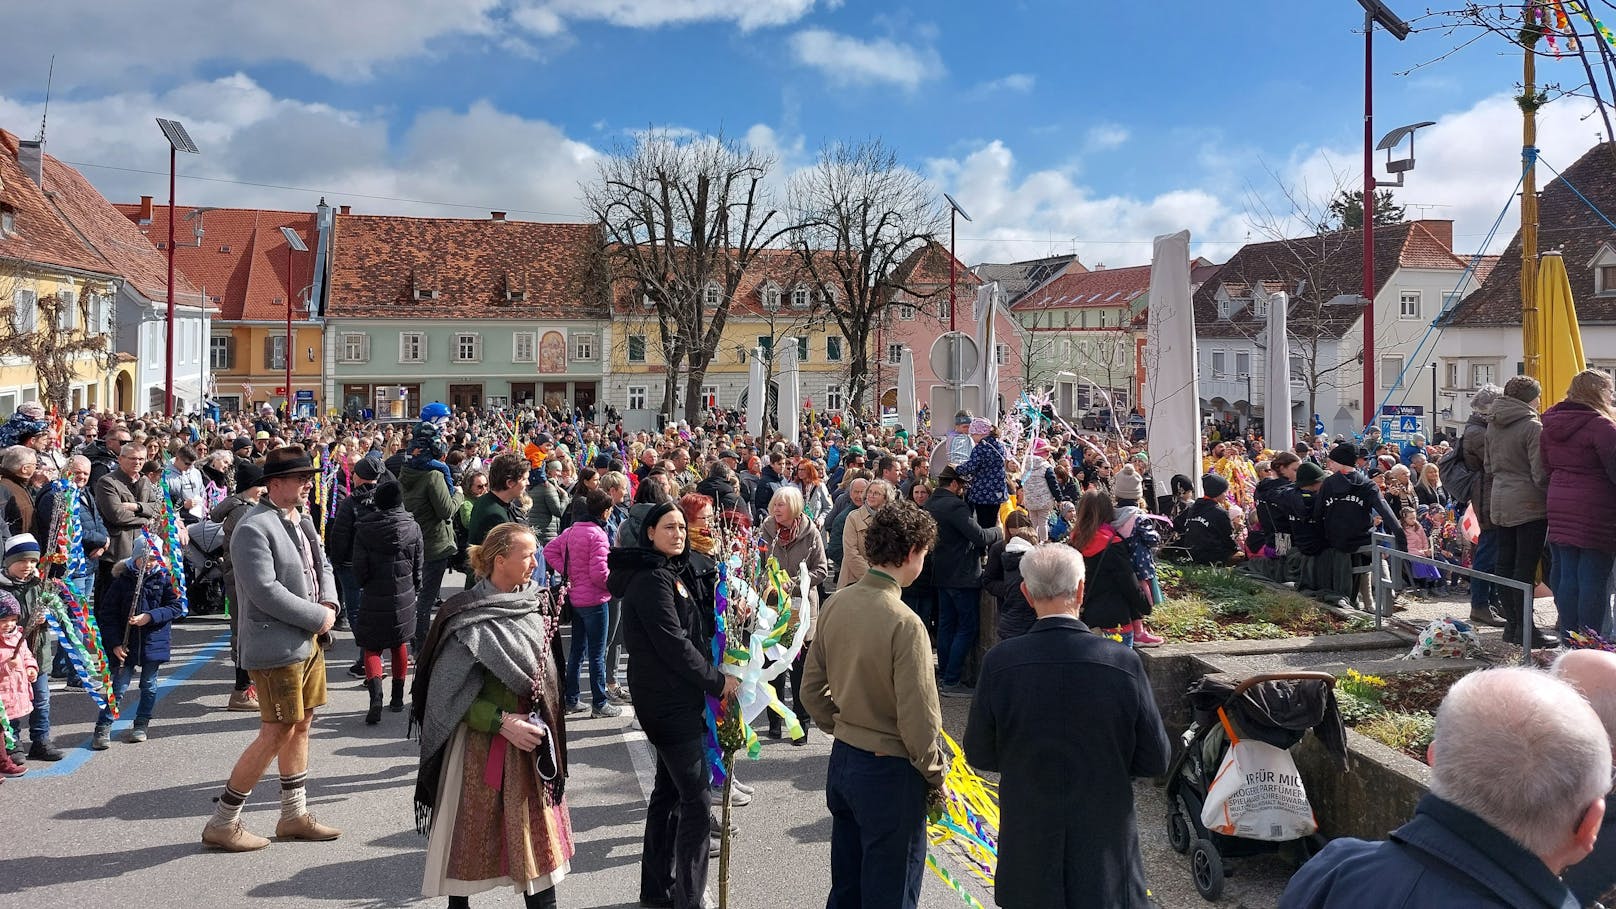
(1059, 125)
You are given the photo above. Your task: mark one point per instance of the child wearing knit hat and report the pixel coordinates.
(20, 579)
(1138, 530)
(18, 673)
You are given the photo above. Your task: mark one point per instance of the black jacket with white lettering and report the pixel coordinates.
(1345, 510)
(1205, 530)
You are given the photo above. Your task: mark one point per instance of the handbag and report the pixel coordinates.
(1258, 793)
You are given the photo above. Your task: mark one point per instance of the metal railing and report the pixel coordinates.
(1384, 554)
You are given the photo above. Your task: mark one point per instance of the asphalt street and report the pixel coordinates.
(121, 827)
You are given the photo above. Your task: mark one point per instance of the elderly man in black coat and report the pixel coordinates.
(1067, 719)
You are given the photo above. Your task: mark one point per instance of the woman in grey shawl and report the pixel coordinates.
(489, 792)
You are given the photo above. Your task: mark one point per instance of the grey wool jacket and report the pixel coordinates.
(278, 617)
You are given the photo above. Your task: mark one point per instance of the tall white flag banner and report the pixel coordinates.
(986, 308)
(790, 402)
(1173, 411)
(1277, 381)
(757, 396)
(908, 412)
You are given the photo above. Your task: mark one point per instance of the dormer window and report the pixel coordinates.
(799, 297)
(424, 284)
(712, 294)
(515, 288)
(1223, 309)
(1603, 265)
(1259, 307)
(8, 220)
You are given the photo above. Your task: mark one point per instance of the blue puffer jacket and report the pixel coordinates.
(147, 643)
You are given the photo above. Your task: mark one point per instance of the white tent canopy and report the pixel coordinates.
(789, 408)
(757, 398)
(1277, 382)
(908, 412)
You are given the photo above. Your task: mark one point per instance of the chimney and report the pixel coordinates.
(498, 215)
(31, 158)
(145, 210)
(1442, 230)
(346, 209)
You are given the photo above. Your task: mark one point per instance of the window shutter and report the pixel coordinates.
(477, 347)
(364, 347)
(269, 352)
(230, 353)
(423, 348)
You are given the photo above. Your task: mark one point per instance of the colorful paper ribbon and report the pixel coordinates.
(78, 655)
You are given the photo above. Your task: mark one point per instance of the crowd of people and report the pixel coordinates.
(557, 521)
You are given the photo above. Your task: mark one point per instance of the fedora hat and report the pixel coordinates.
(288, 461)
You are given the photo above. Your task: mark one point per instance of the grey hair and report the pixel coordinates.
(16, 457)
(886, 490)
(132, 448)
(1482, 401)
(1521, 750)
(792, 496)
(78, 462)
(1053, 571)
(613, 480)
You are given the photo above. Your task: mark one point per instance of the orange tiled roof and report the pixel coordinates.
(243, 257)
(112, 235)
(41, 235)
(1109, 287)
(378, 262)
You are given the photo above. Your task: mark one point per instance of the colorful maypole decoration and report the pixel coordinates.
(172, 553)
(967, 823)
(75, 631)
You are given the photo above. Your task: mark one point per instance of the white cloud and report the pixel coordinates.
(1104, 137)
(134, 43)
(547, 17)
(470, 161)
(1019, 83)
(846, 60)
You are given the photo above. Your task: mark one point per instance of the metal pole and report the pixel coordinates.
(1369, 398)
(957, 381)
(1431, 429)
(289, 295)
(1531, 335)
(168, 359)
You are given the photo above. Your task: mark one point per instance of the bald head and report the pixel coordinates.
(1593, 673)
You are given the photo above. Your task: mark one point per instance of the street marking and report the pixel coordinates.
(82, 754)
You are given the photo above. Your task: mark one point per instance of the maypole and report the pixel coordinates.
(1529, 100)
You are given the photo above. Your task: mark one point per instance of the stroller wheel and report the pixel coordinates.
(1178, 831)
(1207, 868)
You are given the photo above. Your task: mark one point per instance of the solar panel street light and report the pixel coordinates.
(178, 141)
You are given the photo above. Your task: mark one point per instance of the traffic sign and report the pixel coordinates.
(305, 394)
(953, 357)
(1318, 425)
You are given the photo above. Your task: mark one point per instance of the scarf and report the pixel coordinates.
(1097, 543)
(703, 541)
(481, 631)
(787, 534)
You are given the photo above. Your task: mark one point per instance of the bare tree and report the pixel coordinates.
(683, 222)
(859, 216)
(55, 333)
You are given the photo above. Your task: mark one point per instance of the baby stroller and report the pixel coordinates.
(1273, 708)
(204, 567)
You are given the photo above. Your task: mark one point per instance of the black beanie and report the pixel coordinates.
(1213, 486)
(1345, 454)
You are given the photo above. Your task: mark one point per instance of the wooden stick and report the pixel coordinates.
(723, 835)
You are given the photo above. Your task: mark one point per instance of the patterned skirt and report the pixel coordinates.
(486, 837)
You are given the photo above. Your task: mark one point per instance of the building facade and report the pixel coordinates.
(249, 268)
(476, 313)
(1481, 339)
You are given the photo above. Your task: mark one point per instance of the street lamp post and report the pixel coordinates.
(954, 211)
(178, 141)
(294, 243)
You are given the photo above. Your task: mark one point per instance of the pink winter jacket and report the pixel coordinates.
(580, 553)
(16, 691)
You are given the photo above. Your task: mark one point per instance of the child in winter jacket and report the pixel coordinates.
(1060, 526)
(1138, 530)
(20, 578)
(134, 617)
(18, 672)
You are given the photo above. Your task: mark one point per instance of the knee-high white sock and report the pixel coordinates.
(229, 808)
(294, 798)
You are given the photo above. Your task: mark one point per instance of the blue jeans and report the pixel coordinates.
(1484, 558)
(877, 830)
(588, 633)
(122, 673)
(347, 590)
(1581, 581)
(39, 720)
(958, 618)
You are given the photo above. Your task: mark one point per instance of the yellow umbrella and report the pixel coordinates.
(1561, 339)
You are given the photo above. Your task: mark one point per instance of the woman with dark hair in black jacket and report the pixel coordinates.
(1002, 578)
(1112, 598)
(387, 558)
(667, 627)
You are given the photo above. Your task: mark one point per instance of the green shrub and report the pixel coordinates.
(1407, 732)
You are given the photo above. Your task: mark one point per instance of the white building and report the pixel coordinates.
(1481, 338)
(1417, 277)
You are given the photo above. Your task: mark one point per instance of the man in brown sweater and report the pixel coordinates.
(868, 683)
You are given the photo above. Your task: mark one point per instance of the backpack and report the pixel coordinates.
(1457, 477)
